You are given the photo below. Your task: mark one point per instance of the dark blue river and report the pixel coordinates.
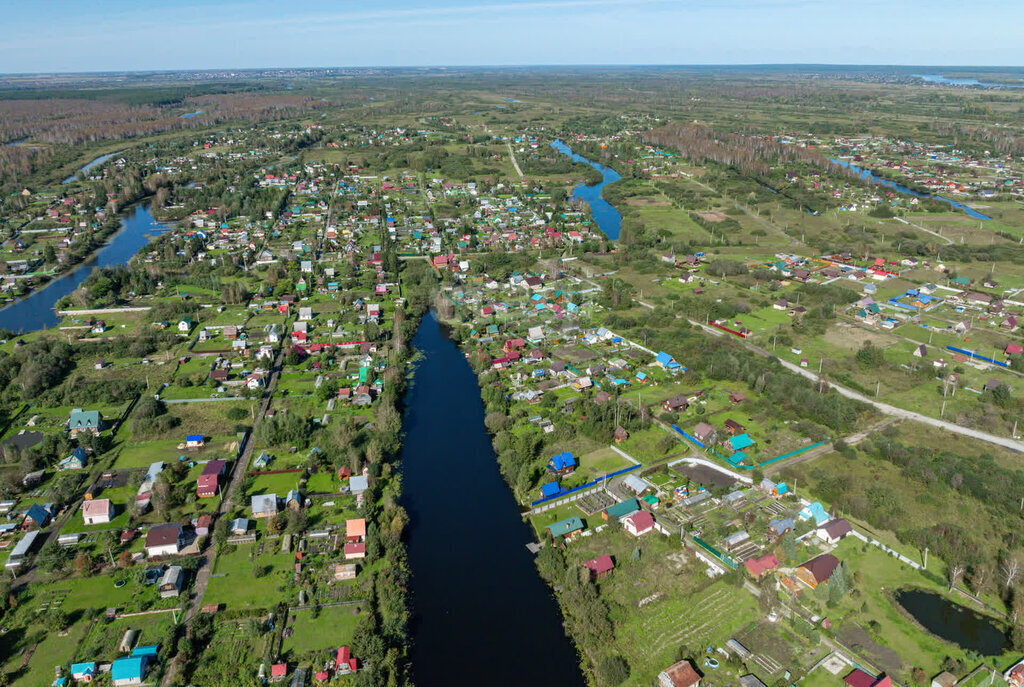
(868, 175)
(607, 218)
(481, 613)
(36, 310)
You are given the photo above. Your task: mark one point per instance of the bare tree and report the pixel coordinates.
(1010, 570)
(956, 574)
(980, 577)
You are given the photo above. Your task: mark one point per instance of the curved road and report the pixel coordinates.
(901, 413)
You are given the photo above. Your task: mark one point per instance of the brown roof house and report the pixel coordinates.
(817, 570)
(681, 674)
(704, 433)
(164, 540)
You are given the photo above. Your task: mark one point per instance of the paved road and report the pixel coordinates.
(237, 475)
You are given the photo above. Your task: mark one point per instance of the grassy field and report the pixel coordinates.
(332, 628)
(235, 584)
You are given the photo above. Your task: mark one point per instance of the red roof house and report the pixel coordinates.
(638, 523)
(759, 566)
(600, 566)
(858, 678)
(206, 486)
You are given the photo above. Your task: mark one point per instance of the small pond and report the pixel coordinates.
(954, 623)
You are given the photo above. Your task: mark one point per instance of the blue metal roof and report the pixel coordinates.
(128, 668)
(549, 489)
(564, 459)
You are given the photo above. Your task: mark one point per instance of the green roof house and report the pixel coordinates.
(567, 528)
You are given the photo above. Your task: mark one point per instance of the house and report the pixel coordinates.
(293, 500)
(209, 480)
(33, 479)
(638, 523)
(739, 442)
(834, 531)
(84, 421)
(704, 433)
(568, 528)
(35, 517)
(164, 540)
(817, 570)
(195, 441)
(634, 484)
(779, 526)
(170, 583)
(75, 461)
(680, 674)
(263, 505)
(733, 428)
(202, 524)
(759, 566)
(750, 680)
(278, 672)
(355, 530)
(675, 404)
(859, 678)
(345, 571)
(600, 566)
(97, 511)
(128, 670)
(666, 362)
(563, 464)
(355, 551)
(185, 325)
(813, 511)
(1013, 349)
(620, 434)
(920, 351)
(621, 510)
(83, 672)
(944, 679)
(344, 663)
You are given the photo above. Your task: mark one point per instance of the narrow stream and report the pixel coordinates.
(605, 215)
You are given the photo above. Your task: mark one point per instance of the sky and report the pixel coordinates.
(127, 35)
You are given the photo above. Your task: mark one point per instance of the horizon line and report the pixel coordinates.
(704, 65)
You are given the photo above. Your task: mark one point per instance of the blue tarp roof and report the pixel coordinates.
(148, 650)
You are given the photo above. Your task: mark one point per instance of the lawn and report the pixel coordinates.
(235, 584)
(332, 628)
